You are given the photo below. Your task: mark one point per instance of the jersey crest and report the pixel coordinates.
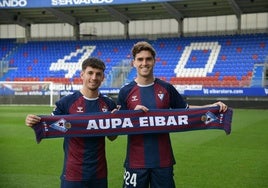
(80, 109)
(160, 95)
(104, 109)
(134, 98)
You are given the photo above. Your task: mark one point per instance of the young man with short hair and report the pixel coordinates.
(149, 159)
(84, 157)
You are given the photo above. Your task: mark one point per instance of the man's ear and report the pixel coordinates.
(133, 64)
(103, 77)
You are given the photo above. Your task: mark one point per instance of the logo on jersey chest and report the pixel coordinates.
(104, 109)
(80, 109)
(134, 98)
(160, 95)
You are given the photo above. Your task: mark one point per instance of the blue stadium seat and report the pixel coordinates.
(235, 62)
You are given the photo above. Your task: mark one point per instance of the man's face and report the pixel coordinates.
(92, 78)
(144, 63)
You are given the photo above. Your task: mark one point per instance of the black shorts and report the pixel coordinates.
(94, 183)
(155, 177)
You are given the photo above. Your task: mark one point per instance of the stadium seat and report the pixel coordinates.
(234, 66)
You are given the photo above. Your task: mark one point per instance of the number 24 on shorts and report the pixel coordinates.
(130, 179)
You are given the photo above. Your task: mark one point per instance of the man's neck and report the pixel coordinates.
(144, 81)
(89, 93)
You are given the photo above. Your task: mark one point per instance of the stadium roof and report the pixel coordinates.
(126, 13)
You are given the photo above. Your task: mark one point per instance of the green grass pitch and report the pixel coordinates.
(205, 158)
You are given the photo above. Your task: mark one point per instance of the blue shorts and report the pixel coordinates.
(95, 183)
(151, 177)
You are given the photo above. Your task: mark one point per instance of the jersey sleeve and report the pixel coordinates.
(112, 104)
(176, 100)
(121, 100)
(59, 108)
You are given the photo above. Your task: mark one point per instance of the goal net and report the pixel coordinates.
(27, 93)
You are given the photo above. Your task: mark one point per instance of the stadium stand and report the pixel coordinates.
(211, 61)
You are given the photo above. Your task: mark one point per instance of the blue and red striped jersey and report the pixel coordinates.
(150, 150)
(84, 157)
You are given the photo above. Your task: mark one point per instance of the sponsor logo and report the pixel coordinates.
(13, 3)
(78, 2)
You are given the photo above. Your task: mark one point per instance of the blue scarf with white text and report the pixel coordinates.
(126, 122)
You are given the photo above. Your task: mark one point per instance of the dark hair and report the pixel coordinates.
(94, 63)
(142, 46)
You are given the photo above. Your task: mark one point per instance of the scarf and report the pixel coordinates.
(126, 122)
